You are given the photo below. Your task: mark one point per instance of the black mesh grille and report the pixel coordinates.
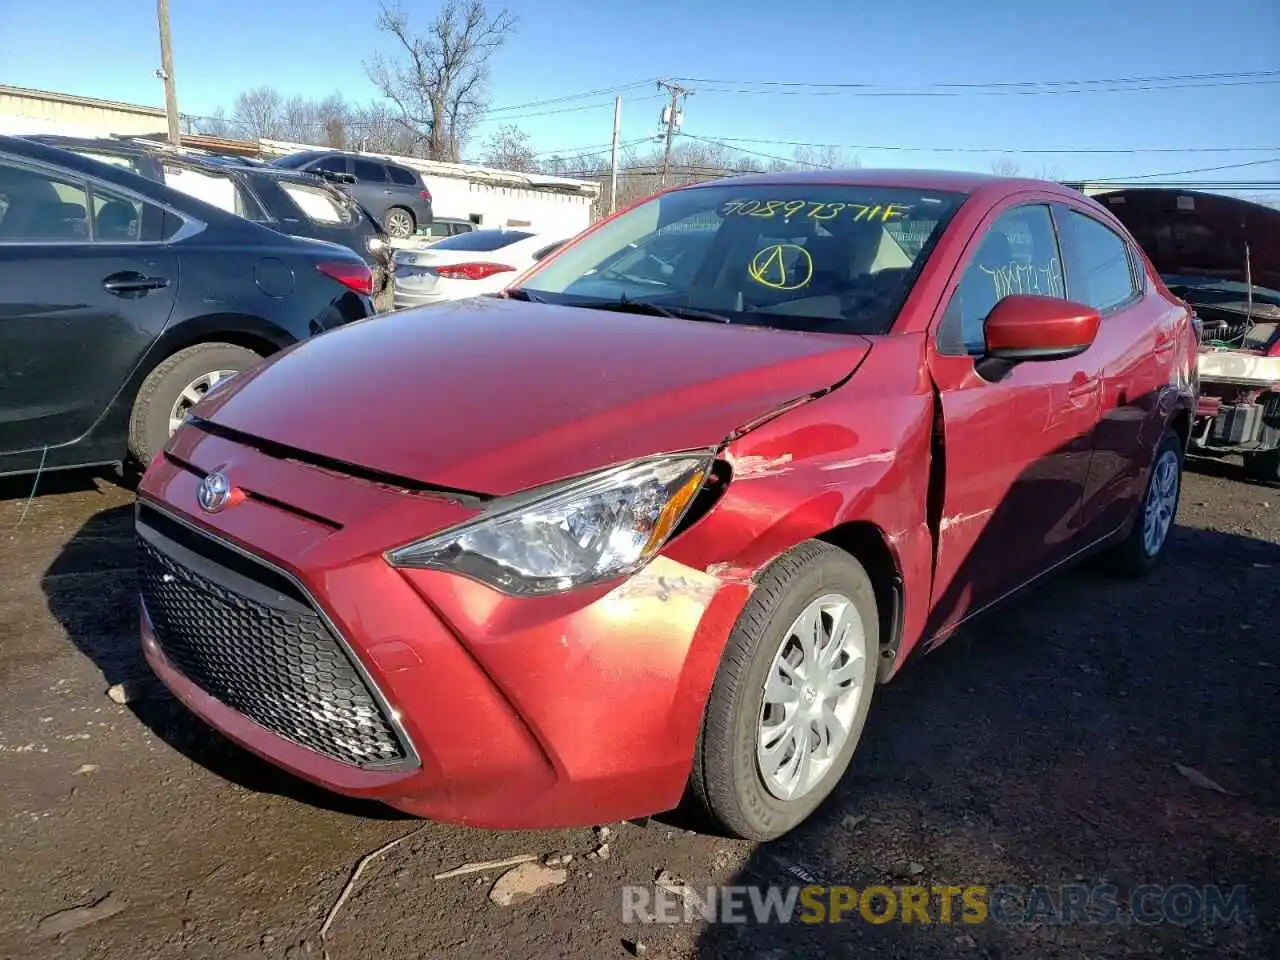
(280, 666)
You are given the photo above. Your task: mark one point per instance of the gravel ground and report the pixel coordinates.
(1042, 746)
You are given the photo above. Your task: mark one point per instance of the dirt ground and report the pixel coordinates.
(1042, 746)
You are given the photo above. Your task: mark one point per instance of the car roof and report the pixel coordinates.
(953, 181)
(121, 177)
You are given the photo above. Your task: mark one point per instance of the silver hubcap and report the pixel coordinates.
(398, 224)
(1162, 498)
(193, 393)
(811, 695)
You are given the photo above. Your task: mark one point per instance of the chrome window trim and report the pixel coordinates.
(190, 226)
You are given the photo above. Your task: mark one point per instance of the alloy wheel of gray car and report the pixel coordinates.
(398, 223)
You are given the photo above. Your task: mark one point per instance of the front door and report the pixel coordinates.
(82, 297)
(1015, 446)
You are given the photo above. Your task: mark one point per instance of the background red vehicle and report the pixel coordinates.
(663, 517)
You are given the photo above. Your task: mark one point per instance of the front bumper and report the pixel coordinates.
(515, 713)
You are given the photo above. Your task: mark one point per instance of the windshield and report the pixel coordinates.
(831, 257)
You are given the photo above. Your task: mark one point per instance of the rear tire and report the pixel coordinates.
(174, 386)
(399, 223)
(768, 752)
(1148, 541)
(1263, 467)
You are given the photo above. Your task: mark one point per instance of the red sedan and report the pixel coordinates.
(663, 515)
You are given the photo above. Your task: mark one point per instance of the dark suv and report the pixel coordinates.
(394, 194)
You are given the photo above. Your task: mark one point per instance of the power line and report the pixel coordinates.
(1179, 173)
(921, 92)
(1014, 150)
(1109, 81)
(585, 95)
(547, 113)
(757, 153)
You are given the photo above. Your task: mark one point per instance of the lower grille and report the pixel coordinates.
(263, 653)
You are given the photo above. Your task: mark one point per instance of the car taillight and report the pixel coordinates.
(353, 276)
(473, 271)
(426, 195)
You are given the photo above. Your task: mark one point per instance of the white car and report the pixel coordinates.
(468, 265)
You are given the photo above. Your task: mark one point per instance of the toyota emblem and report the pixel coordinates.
(214, 492)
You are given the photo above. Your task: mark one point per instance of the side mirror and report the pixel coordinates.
(1023, 327)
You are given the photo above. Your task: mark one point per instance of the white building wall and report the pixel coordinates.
(494, 205)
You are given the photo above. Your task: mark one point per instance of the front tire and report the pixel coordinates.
(791, 696)
(174, 386)
(1148, 541)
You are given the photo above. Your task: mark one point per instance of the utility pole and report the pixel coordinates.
(671, 116)
(613, 165)
(166, 73)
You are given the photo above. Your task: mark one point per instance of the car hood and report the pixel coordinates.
(495, 396)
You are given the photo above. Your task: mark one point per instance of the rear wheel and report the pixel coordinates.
(1264, 466)
(791, 697)
(399, 223)
(175, 386)
(1146, 544)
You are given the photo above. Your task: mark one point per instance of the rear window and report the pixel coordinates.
(482, 240)
(318, 205)
(402, 176)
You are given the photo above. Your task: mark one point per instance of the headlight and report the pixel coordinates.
(577, 533)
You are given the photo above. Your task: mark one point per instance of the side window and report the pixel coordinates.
(1018, 255)
(331, 165)
(38, 206)
(366, 171)
(119, 219)
(402, 176)
(1099, 267)
(438, 229)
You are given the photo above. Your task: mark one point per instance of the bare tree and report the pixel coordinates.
(257, 113)
(509, 148)
(1005, 167)
(438, 79)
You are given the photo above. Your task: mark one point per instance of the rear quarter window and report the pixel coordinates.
(318, 205)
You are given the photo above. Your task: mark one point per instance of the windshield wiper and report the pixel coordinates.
(519, 293)
(623, 305)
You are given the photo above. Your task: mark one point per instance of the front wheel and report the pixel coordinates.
(791, 697)
(175, 386)
(1148, 541)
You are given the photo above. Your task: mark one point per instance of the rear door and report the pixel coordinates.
(1136, 349)
(86, 285)
(1015, 447)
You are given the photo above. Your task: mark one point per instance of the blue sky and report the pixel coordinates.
(315, 47)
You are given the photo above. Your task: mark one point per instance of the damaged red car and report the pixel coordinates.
(659, 519)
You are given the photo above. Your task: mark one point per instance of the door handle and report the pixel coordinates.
(133, 284)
